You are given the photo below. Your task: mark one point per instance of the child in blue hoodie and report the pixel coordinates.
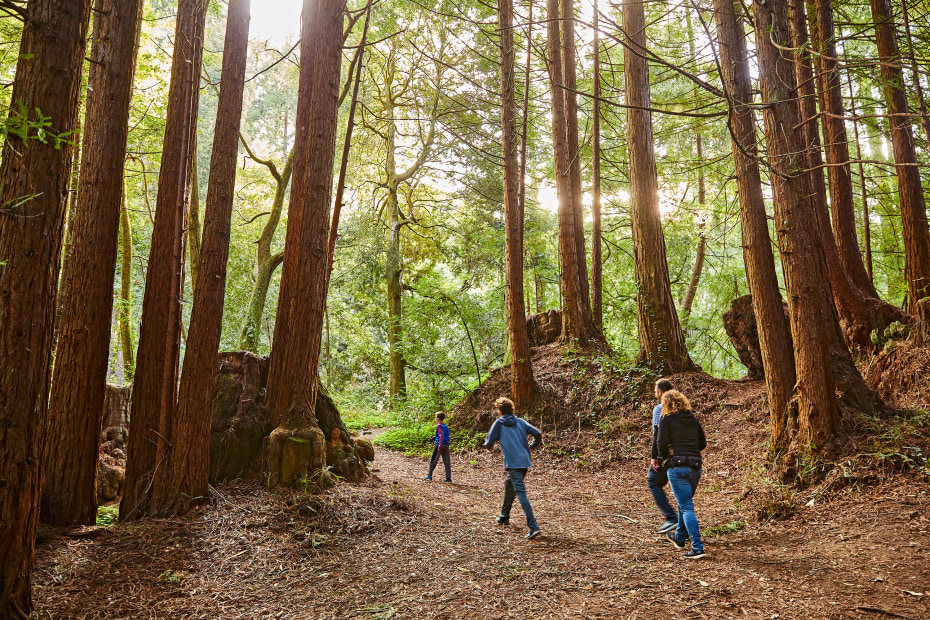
(441, 440)
(511, 432)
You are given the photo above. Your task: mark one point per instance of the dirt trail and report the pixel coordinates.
(404, 548)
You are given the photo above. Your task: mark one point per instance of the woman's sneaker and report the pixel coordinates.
(671, 538)
(695, 555)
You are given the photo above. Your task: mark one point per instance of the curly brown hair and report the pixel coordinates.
(674, 401)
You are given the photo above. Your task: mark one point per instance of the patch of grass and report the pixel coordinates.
(411, 440)
(359, 419)
(723, 528)
(107, 516)
(170, 576)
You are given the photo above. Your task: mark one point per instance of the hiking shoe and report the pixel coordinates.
(533, 534)
(671, 538)
(503, 520)
(695, 555)
(667, 526)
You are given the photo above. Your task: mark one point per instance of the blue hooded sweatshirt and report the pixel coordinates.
(511, 432)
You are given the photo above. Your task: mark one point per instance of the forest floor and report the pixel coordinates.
(397, 546)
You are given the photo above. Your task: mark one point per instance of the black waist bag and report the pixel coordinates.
(694, 462)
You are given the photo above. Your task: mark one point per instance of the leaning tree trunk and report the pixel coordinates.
(154, 393)
(522, 384)
(662, 342)
(573, 316)
(34, 196)
(913, 207)
(184, 477)
(774, 335)
(295, 446)
(82, 354)
(860, 313)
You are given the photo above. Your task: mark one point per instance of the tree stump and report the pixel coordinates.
(740, 324)
(111, 458)
(295, 452)
(922, 328)
(544, 328)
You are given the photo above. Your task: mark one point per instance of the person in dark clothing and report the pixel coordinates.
(511, 432)
(680, 441)
(657, 476)
(441, 440)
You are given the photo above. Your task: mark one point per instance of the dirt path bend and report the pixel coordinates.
(404, 548)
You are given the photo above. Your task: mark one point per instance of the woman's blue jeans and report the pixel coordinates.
(514, 488)
(684, 481)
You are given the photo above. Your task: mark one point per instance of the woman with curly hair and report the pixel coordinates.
(680, 441)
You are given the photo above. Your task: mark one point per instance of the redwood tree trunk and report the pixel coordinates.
(597, 285)
(522, 383)
(913, 207)
(81, 357)
(34, 194)
(839, 172)
(573, 317)
(295, 353)
(774, 335)
(813, 319)
(154, 393)
(662, 342)
(184, 477)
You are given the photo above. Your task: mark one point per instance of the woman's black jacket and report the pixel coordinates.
(680, 434)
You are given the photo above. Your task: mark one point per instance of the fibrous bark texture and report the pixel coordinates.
(33, 200)
(155, 386)
(82, 354)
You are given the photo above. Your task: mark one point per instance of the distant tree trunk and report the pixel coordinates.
(839, 172)
(522, 384)
(184, 478)
(913, 207)
(34, 197)
(265, 261)
(661, 340)
(866, 224)
(859, 311)
(574, 158)
(82, 355)
(822, 360)
(573, 322)
(194, 228)
(774, 334)
(295, 353)
(124, 312)
(698, 268)
(597, 285)
(154, 395)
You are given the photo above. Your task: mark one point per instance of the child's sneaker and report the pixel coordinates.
(533, 534)
(427, 478)
(695, 555)
(671, 538)
(503, 520)
(448, 480)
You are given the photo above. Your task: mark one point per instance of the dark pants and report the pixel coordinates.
(434, 460)
(514, 488)
(657, 480)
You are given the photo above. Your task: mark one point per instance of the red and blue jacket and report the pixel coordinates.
(442, 437)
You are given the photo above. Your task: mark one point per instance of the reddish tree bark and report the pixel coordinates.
(295, 353)
(913, 207)
(661, 340)
(597, 286)
(522, 383)
(774, 335)
(154, 395)
(33, 199)
(184, 477)
(82, 354)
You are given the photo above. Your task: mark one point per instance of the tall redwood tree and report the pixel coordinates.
(34, 176)
(522, 383)
(184, 477)
(81, 357)
(154, 395)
